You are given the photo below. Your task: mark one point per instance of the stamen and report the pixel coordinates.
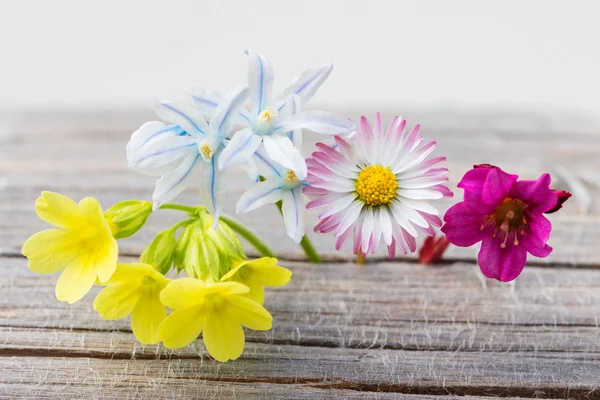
(510, 214)
(206, 150)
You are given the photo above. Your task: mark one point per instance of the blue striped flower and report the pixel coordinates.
(274, 121)
(186, 149)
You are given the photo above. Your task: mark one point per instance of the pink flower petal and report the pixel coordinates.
(463, 225)
(537, 233)
(497, 186)
(498, 263)
(537, 194)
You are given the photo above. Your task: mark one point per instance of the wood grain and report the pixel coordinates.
(390, 329)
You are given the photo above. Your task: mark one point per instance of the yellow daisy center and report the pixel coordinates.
(376, 185)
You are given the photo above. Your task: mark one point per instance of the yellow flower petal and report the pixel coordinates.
(75, 281)
(147, 315)
(58, 210)
(51, 250)
(126, 273)
(118, 301)
(92, 210)
(269, 273)
(248, 312)
(256, 293)
(226, 288)
(183, 293)
(181, 327)
(105, 256)
(223, 337)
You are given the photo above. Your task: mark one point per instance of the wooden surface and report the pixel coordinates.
(390, 329)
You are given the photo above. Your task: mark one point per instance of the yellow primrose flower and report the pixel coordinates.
(258, 273)
(219, 310)
(135, 289)
(82, 244)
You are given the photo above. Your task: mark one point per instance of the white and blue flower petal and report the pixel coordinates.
(323, 122)
(156, 148)
(173, 183)
(281, 150)
(292, 209)
(294, 106)
(191, 120)
(267, 192)
(266, 167)
(260, 79)
(228, 109)
(305, 86)
(211, 189)
(207, 101)
(239, 149)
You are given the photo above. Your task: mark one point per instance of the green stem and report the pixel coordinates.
(250, 236)
(305, 243)
(189, 209)
(182, 224)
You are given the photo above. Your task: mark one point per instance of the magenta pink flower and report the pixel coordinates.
(504, 214)
(377, 185)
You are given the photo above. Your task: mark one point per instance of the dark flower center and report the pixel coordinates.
(509, 220)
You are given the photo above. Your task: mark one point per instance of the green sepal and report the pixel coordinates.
(160, 252)
(127, 217)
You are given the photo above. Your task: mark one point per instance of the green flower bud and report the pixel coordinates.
(160, 252)
(127, 217)
(208, 253)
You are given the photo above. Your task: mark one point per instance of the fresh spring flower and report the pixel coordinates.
(82, 244)
(376, 185)
(217, 310)
(279, 184)
(276, 122)
(504, 214)
(258, 273)
(189, 147)
(134, 289)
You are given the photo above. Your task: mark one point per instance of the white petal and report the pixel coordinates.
(385, 223)
(191, 120)
(293, 213)
(267, 192)
(411, 214)
(323, 122)
(266, 167)
(421, 183)
(338, 202)
(420, 194)
(336, 184)
(240, 149)
(173, 183)
(367, 229)
(421, 206)
(227, 110)
(294, 106)
(211, 190)
(156, 148)
(352, 213)
(305, 86)
(260, 80)
(403, 221)
(281, 150)
(206, 101)
(252, 170)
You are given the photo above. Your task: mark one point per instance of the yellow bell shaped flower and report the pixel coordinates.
(135, 289)
(219, 310)
(258, 273)
(82, 245)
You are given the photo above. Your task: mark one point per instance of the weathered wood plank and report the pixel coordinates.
(410, 372)
(387, 305)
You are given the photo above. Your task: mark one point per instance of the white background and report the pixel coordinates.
(469, 53)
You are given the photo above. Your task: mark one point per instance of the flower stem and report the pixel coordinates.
(250, 236)
(189, 209)
(305, 243)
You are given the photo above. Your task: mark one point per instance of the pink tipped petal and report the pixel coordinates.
(392, 249)
(393, 126)
(498, 263)
(366, 132)
(413, 138)
(432, 219)
(342, 238)
(377, 125)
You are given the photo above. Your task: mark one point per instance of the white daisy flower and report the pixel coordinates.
(376, 185)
